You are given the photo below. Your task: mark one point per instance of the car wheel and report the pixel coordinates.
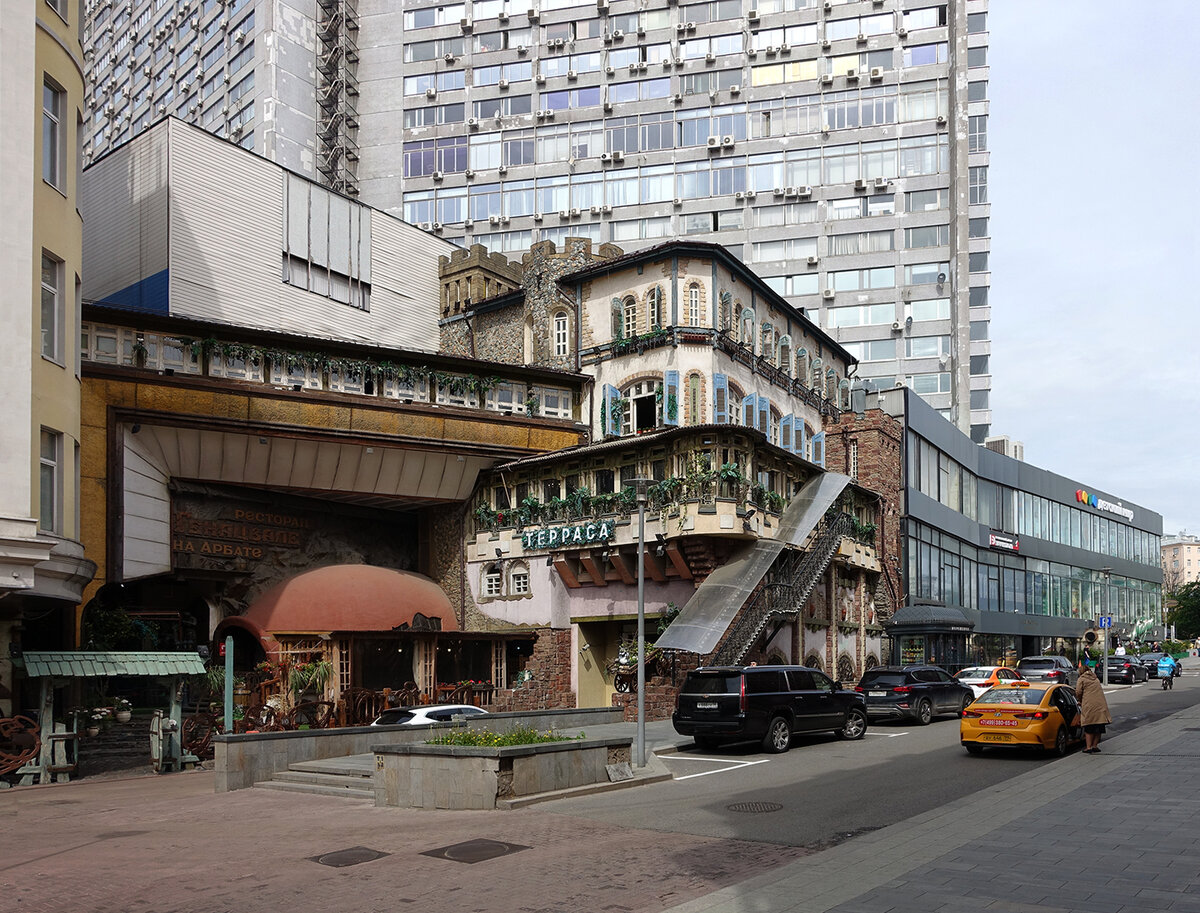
(962, 706)
(705, 742)
(855, 726)
(924, 712)
(1062, 741)
(974, 749)
(779, 736)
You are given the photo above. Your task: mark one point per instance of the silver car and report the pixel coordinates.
(1056, 669)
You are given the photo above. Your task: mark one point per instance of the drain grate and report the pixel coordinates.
(473, 851)
(756, 808)
(353, 856)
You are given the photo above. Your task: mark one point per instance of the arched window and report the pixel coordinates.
(818, 375)
(727, 310)
(735, 404)
(654, 303)
(773, 431)
(785, 354)
(562, 334)
(629, 309)
(802, 366)
(746, 337)
(830, 385)
(695, 407)
(767, 348)
(843, 399)
(519, 580)
(640, 409)
(493, 581)
(618, 319)
(693, 317)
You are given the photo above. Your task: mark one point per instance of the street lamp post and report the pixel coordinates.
(642, 486)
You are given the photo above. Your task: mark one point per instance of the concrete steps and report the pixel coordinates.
(348, 778)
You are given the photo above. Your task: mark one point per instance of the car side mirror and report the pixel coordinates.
(837, 686)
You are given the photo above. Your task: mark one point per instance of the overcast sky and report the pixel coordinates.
(1094, 183)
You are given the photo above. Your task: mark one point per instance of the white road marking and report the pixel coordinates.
(732, 765)
(890, 735)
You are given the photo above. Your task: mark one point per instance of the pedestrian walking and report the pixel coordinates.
(1093, 708)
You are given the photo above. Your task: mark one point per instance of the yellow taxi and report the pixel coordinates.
(1021, 714)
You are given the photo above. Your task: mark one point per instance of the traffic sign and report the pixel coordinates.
(1106, 621)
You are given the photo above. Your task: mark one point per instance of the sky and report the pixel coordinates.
(1094, 180)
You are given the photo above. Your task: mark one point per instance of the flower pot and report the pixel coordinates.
(123, 716)
(92, 731)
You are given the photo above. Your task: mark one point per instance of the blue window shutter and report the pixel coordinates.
(671, 398)
(801, 448)
(764, 415)
(750, 411)
(720, 399)
(818, 449)
(785, 434)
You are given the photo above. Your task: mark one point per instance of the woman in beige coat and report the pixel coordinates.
(1093, 708)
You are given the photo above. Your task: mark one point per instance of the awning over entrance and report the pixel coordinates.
(87, 664)
(708, 614)
(345, 598)
(931, 616)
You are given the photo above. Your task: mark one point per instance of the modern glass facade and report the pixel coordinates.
(1034, 558)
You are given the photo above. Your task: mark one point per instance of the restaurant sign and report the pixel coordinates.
(567, 536)
(248, 534)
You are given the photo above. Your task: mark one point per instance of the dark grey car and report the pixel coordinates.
(1056, 669)
(1150, 663)
(912, 692)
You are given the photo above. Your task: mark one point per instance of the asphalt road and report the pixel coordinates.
(824, 790)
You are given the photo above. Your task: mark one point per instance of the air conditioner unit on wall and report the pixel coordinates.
(827, 294)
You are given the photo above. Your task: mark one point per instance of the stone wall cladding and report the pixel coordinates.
(550, 687)
(661, 690)
(879, 438)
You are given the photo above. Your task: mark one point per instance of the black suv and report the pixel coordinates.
(912, 692)
(736, 703)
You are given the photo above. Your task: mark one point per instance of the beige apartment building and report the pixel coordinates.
(1180, 560)
(42, 567)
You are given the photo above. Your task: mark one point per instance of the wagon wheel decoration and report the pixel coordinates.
(20, 742)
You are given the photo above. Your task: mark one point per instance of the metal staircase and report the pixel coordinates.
(791, 582)
(337, 90)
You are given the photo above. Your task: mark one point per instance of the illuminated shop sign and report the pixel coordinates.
(565, 536)
(1009, 543)
(1091, 500)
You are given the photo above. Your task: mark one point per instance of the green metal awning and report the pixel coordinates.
(91, 664)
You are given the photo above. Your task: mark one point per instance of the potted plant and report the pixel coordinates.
(122, 710)
(96, 717)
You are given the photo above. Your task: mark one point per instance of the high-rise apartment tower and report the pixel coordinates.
(840, 148)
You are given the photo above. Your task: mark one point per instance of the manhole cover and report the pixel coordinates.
(755, 807)
(475, 851)
(353, 856)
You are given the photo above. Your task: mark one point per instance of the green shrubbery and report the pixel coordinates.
(485, 738)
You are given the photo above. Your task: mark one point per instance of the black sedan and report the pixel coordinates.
(1126, 669)
(1150, 663)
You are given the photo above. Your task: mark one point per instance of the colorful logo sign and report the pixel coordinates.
(1091, 500)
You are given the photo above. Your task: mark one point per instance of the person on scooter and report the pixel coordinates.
(1167, 670)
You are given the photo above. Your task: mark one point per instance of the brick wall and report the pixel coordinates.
(550, 687)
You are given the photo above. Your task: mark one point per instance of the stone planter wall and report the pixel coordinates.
(459, 777)
(247, 758)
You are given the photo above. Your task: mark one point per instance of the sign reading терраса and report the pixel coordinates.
(1084, 497)
(561, 536)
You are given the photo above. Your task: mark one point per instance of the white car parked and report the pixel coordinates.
(422, 716)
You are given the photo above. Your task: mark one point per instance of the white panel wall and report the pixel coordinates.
(227, 229)
(123, 200)
(146, 544)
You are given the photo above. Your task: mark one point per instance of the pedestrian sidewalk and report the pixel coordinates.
(1087, 833)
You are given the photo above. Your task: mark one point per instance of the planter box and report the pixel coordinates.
(459, 777)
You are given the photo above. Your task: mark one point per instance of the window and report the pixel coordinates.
(926, 346)
(927, 236)
(977, 133)
(654, 301)
(561, 333)
(520, 581)
(50, 505)
(978, 184)
(492, 581)
(978, 296)
(629, 310)
(694, 306)
(977, 228)
(977, 91)
(926, 200)
(977, 261)
(54, 135)
(52, 307)
(977, 57)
